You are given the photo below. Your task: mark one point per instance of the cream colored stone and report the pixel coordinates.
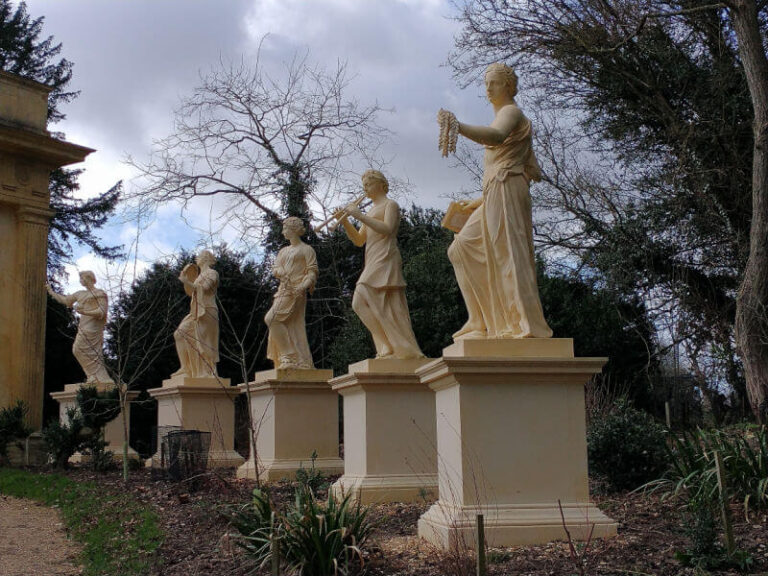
(92, 306)
(205, 404)
(28, 153)
(379, 299)
(492, 254)
(296, 268)
(114, 434)
(511, 440)
(197, 337)
(294, 413)
(389, 432)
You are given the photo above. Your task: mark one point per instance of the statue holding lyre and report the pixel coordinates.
(379, 298)
(197, 337)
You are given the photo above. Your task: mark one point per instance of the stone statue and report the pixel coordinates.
(296, 268)
(493, 255)
(197, 337)
(379, 299)
(91, 305)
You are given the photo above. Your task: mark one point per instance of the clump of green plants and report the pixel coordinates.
(693, 472)
(311, 478)
(12, 425)
(310, 537)
(627, 447)
(693, 478)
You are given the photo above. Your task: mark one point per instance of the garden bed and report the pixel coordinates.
(196, 537)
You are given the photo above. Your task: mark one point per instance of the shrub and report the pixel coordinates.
(627, 447)
(12, 425)
(63, 440)
(97, 409)
(314, 539)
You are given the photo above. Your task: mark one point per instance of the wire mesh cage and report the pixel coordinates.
(159, 448)
(180, 455)
(186, 453)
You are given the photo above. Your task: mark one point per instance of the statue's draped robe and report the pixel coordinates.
(292, 266)
(88, 345)
(493, 253)
(382, 287)
(197, 337)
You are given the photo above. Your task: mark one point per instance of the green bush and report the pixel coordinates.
(627, 447)
(314, 539)
(97, 409)
(13, 425)
(63, 440)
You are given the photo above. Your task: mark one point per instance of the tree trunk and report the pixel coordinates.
(752, 300)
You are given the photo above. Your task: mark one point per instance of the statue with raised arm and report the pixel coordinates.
(379, 298)
(296, 269)
(197, 337)
(91, 305)
(492, 254)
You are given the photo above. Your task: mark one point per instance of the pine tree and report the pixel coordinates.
(24, 51)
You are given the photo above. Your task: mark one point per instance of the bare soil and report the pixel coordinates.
(33, 541)
(650, 532)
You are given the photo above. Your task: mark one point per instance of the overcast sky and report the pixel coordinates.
(133, 61)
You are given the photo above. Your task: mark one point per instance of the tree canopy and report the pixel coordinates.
(647, 128)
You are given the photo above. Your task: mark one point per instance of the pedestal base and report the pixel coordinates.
(295, 414)
(511, 440)
(113, 432)
(205, 404)
(447, 526)
(389, 432)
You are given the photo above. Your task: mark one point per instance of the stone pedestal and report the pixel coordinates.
(389, 432)
(294, 413)
(28, 154)
(205, 404)
(113, 431)
(511, 440)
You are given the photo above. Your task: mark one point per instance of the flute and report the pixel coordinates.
(329, 222)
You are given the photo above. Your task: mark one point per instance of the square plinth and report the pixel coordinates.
(389, 432)
(205, 404)
(511, 441)
(294, 414)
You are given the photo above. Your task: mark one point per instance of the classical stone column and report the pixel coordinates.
(33, 225)
(28, 154)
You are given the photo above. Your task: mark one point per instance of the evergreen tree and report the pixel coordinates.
(26, 52)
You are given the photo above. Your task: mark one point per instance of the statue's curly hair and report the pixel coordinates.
(376, 175)
(296, 224)
(508, 73)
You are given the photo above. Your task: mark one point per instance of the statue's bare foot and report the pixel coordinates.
(512, 334)
(471, 330)
(386, 352)
(179, 372)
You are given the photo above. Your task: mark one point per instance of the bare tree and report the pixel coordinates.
(269, 145)
(671, 101)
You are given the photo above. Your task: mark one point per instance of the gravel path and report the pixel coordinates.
(33, 541)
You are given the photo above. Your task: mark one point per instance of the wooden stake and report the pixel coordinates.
(480, 546)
